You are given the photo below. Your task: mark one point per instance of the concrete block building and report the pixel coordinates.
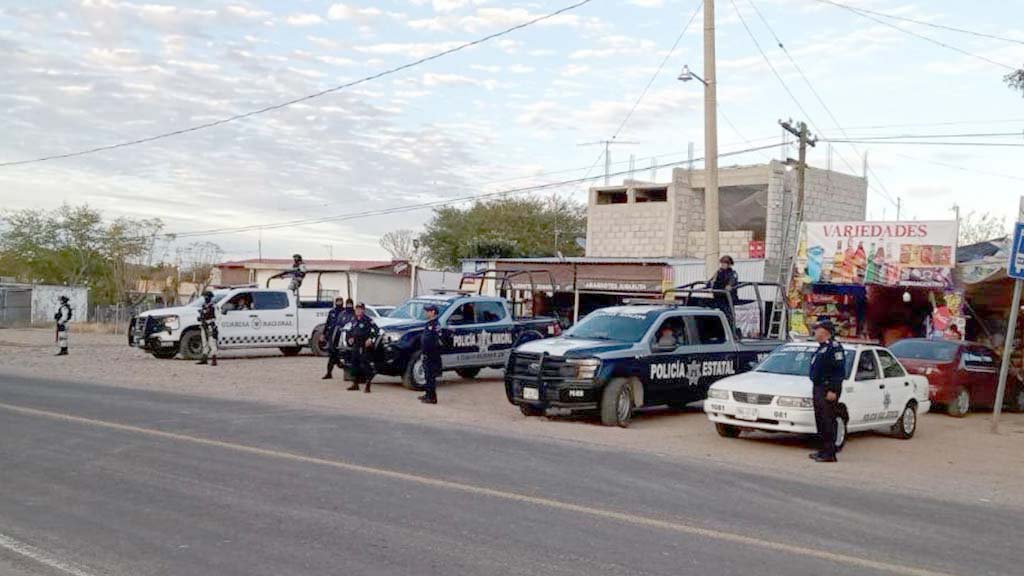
(666, 220)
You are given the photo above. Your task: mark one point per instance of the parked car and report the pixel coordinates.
(378, 311)
(621, 358)
(961, 375)
(776, 396)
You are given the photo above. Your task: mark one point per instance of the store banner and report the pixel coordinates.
(887, 253)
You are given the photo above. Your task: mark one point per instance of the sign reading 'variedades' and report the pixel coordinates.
(865, 230)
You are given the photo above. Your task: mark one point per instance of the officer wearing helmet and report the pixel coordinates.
(62, 316)
(828, 370)
(337, 319)
(208, 329)
(361, 334)
(298, 273)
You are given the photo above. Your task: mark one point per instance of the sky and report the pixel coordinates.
(512, 112)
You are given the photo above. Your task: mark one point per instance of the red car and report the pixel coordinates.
(961, 375)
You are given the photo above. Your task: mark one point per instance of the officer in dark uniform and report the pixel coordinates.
(62, 316)
(725, 278)
(208, 328)
(828, 370)
(361, 334)
(332, 333)
(430, 349)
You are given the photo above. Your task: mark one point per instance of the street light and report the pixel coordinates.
(686, 75)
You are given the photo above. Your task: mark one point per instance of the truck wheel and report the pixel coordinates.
(727, 430)
(165, 353)
(841, 432)
(467, 373)
(290, 350)
(617, 403)
(907, 424)
(530, 410)
(414, 376)
(191, 345)
(317, 344)
(960, 405)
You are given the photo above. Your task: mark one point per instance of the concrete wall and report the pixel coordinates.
(631, 229)
(46, 300)
(735, 244)
(384, 289)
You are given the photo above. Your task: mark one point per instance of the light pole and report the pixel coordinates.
(711, 246)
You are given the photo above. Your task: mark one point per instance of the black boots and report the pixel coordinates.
(354, 386)
(202, 362)
(429, 398)
(63, 352)
(327, 376)
(211, 362)
(367, 388)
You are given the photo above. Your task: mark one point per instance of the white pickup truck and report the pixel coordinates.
(247, 317)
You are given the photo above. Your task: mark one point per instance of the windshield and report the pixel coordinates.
(618, 326)
(796, 361)
(413, 309)
(933, 350)
(198, 300)
(385, 310)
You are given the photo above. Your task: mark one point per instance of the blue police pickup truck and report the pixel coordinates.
(476, 332)
(625, 357)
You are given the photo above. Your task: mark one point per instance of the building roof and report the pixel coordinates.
(979, 250)
(603, 260)
(284, 263)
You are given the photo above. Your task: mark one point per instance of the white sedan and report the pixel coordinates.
(776, 396)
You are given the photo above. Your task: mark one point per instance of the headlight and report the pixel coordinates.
(389, 337)
(794, 402)
(171, 323)
(585, 368)
(718, 394)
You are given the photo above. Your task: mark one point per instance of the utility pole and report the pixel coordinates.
(711, 224)
(607, 154)
(801, 132)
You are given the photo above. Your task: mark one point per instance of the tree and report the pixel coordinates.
(402, 245)
(197, 261)
(976, 228)
(1015, 80)
(505, 228)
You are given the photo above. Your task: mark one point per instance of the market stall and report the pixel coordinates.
(988, 294)
(879, 281)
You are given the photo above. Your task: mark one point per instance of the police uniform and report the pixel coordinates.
(828, 370)
(63, 316)
(725, 279)
(208, 329)
(298, 273)
(336, 320)
(358, 333)
(430, 351)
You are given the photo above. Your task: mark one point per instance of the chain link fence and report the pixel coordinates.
(117, 316)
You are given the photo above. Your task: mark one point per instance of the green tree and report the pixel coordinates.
(505, 228)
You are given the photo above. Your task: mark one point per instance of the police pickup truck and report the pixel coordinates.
(621, 358)
(247, 317)
(476, 332)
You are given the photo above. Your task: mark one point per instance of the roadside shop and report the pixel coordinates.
(988, 295)
(877, 281)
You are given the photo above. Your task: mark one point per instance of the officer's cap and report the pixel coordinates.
(297, 256)
(826, 324)
(430, 308)
(361, 305)
(726, 260)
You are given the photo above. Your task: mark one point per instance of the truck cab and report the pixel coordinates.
(476, 332)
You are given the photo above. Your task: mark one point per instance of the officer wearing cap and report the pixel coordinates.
(828, 370)
(361, 335)
(430, 348)
(726, 279)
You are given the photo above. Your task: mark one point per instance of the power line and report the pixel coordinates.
(865, 14)
(930, 124)
(436, 203)
(300, 99)
(923, 23)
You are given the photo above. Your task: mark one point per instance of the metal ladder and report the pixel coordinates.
(778, 322)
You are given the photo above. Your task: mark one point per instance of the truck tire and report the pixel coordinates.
(165, 353)
(529, 410)
(317, 344)
(468, 373)
(191, 345)
(960, 405)
(413, 377)
(907, 424)
(617, 403)
(290, 350)
(727, 430)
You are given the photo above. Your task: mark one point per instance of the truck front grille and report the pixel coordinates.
(750, 398)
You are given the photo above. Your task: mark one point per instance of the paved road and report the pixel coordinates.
(107, 481)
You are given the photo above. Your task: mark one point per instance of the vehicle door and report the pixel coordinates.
(670, 368)
(898, 388)
(982, 374)
(715, 351)
(274, 323)
(460, 343)
(863, 394)
(495, 332)
(235, 320)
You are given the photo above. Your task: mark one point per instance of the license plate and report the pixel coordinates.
(746, 413)
(531, 394)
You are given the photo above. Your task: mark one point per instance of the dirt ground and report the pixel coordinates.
(955, 459)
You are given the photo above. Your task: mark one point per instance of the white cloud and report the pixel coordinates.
(412, 50)
(648, 3)
(520, 69)
(573, 70)
(304, 20)
(345, 12)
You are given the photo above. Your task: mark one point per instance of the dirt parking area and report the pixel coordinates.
(957, 459)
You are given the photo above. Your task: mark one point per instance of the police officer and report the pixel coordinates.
(298, 273)
(828, 370)
(332, 333)
(430, 349)
(361, 334)
(62, 316)
(208, 328)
